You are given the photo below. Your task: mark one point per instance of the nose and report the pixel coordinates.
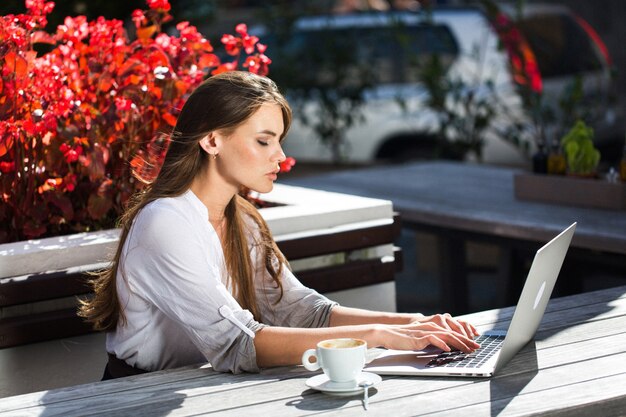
(279, 156)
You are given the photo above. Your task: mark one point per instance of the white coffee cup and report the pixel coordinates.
(342, 360)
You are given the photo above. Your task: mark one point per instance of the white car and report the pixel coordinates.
(393, 121)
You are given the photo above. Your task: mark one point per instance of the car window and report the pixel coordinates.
(390, 54)
(560, 45)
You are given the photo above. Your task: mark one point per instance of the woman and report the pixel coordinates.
(197, 276)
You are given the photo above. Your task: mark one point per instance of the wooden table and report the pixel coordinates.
(575, 367)
(462, 202)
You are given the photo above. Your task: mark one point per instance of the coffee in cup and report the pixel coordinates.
(342, 360)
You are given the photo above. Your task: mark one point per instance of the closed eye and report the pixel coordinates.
(262, 142)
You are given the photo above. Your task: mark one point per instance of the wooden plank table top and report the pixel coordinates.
(474, 198)
(576, 366)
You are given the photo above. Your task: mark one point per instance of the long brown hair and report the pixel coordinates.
(222, 102)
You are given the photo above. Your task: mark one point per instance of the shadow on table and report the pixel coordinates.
(123, 396)
(523, 367)
(502, 390)
(103, 405)
(316, 401)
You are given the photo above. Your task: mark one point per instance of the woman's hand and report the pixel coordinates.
(278, 346)
(439, 331)
(448, 322)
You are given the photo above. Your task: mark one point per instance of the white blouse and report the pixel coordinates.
(171, 283)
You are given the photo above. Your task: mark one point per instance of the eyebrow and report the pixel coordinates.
(268, 132)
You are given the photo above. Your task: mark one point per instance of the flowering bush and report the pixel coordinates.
(84, 125)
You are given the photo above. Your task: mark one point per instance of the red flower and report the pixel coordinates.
(287, 164)
(7, 167)
(232, 44)
(246, 41)
(39, 6)
(70, 154)
(123, 104)
(258, 64)
(69, 181)
(241, 29)
(74, 29)
(160, 5)
(227, 66)
(139, 18)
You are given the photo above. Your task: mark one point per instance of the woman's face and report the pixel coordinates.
(250, 155)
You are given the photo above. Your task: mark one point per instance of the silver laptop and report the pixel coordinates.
(497, 346)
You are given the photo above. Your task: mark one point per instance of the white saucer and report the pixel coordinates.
(322, 383)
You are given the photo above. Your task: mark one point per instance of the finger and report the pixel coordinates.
(427, 327)
(435, 318)
(458, 327)
(472, 329)
(449, 339)
(463, 327)
(443, 320)
(459, 341)
(433, 340)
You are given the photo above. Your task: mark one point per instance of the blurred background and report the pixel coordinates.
(363, 95)
(214, 17)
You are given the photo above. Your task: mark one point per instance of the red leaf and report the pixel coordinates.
(181, 86)
(16, 64)
(105, 82)
(33, 229)
(157, 92)
(147, 32)
(96, 164)
(159, 58)
(63, 203)
(98, 206)
(169, 119)
(43, 37)
(134, 79)
(6, 143)
(208, 61)
(228, 66)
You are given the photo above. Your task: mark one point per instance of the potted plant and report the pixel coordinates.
(580, 153)
(85, 111)
(580, 187)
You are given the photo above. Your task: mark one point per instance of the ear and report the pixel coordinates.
(208, 144)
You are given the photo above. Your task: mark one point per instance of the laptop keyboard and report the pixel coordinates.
(489, 345)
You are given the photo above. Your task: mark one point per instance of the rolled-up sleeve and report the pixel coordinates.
(299, 305)
(177, 276)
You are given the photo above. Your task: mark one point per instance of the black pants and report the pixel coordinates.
(117, 368)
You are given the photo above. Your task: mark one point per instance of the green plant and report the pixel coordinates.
(582, 156)
(329, 71)
(466, 110)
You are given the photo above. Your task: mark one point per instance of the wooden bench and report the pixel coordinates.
(40, 307)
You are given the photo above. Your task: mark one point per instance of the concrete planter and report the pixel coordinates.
(570, 191)
(301, 213)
